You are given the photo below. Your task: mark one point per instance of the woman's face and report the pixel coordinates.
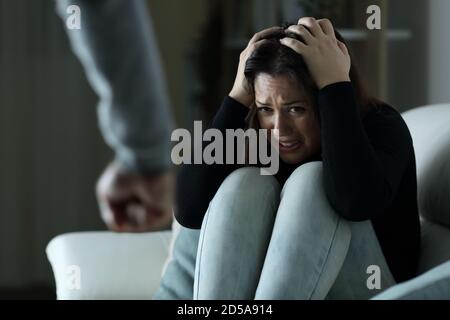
(281, 105)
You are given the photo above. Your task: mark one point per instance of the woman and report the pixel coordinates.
(340, 219)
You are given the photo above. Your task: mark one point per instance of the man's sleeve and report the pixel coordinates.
(117, 48)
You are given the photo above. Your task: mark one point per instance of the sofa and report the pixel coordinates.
(107, 265)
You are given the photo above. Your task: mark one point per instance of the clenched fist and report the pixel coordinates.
(131, 202)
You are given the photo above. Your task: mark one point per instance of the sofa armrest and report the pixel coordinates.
(431, 285)
(107, 265)
(435, 245)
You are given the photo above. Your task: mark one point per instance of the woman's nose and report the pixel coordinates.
(283, 124)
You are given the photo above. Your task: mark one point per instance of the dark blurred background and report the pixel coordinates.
(51, 150)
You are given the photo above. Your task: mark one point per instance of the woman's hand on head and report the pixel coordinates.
(327, 58)
(241, 91)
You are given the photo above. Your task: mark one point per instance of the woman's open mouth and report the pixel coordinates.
(289, 146)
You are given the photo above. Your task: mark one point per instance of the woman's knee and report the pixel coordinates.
(250, 176)
(307, 232)
(304, 192)
(245, 193)
(306, 178)
(305, 206)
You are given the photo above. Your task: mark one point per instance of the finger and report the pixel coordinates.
(114, 220)
(144, 219)
(259, 43)
(312, 25)
(140, 214)
(248, 51)
(129, 217)
(294, 44)
(136, 214)
(265, 34)
(303, 32)
(128, 228)
(114, 186)
(342, 46)
(115, 213)
(327, 27)
(157, 190)
(159, 220)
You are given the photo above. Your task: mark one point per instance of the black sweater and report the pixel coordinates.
(369, 172)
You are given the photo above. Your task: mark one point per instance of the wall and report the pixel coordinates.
(438, 77)
(51, 150)
(177, 23)
(407, 58)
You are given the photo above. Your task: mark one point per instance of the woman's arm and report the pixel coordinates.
(363, 165)
(198, 183)
(362, 171)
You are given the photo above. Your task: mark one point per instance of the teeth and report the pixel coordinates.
(287, 145)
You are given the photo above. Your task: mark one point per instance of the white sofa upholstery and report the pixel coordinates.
(111, 265)
(129, 266)
(430, 130)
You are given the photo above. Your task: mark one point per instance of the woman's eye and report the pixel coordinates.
(263, 109)
(296, 110)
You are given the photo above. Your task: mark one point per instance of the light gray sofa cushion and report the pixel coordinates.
(435, 246)
(432, 285)
(430, 130)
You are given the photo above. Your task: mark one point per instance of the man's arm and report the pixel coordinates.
(118, 50)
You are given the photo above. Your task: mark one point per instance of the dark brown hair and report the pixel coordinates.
(275, 59)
